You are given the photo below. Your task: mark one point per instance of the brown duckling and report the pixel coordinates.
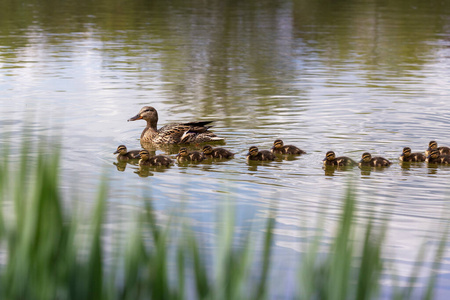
(219, 153)
(369, 161)
(280, 148)
(331, 160)
(193, 132)
(158, 160)
(255, 154)
(436, 157)
(407, 156)
(433, 145)
(124, 154)
(185, 156)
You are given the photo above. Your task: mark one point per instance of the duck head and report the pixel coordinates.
(330, 155)
(278, 144)
(122, 149)
(147, 113)
(144, 155)
(207, 149)
(406, 152)
(253, 151)
(434, 154)
(366, 157)
(183, 152)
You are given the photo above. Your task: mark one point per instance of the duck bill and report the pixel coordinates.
(136, 117)
(116, 152)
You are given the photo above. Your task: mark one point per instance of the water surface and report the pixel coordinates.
(351, 76)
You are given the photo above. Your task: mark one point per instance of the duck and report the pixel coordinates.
(174, 133)
(407, 156)
(259, 155)
(185, 156)
(436, 157)
(124, 154)
(219, 153)
(341, 161)
(158, 160)
(433, 145)
(368, 161)
(280, 148)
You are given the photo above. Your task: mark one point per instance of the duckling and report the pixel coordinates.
(194, 132)
(331, 160)
(263, 155)
(185, 156)
(436, 157)
(219, 153)
(433, 145)
(124, 154)
(369, 161)
(158, 160)
(407, 156)
(280, 148)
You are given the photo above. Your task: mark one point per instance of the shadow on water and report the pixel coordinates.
(330, 170)
(367, 170)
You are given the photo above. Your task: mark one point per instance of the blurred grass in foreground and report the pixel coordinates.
(42, 258)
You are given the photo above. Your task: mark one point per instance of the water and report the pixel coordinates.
(351, 76)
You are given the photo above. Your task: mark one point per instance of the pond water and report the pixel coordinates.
(347, 76)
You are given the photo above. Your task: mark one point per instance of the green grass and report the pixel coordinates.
(42, 258)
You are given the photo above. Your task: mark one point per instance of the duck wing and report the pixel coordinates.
(172, 133)
(133, 154)
(181, 128)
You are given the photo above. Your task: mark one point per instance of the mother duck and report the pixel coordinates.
(174, 133)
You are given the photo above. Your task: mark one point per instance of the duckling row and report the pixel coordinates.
(183, 156)
(433, 155)
(198, 132)
(208, 152)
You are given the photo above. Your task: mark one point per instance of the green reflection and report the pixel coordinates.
(232, 57)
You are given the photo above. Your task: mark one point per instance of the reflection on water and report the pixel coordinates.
(121, 165)
(330, 170)
(348, 76)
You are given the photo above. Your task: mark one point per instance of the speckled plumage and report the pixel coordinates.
(340, 161)
(185, 156)
(175, 133)
(125, 155)
(433, 145)
(436, 157)
(369, 161)
(158, 160)
(217, 153)
(407, 156)
(259, 155)
(280, 148)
